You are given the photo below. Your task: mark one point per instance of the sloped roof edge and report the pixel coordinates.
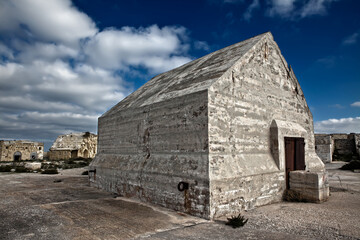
(195, 76)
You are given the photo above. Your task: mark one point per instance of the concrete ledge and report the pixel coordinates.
(313, 186)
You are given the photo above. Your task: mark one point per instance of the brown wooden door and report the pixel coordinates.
(294, 156)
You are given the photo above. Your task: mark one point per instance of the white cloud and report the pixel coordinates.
(50, 20)
(201, 45)
(295, 9)
(328, 61)
(84, 86)
(158, 49)
(342, 125)
(248, 13)
(355, 104)
(352, 39)
(45, 51)
(58, 72)
(281, 8)
(6, 52)
(314, 7)
(339, 106)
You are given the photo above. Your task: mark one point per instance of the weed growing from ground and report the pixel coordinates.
(237, 221)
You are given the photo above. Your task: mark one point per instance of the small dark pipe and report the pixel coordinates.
(183, 186)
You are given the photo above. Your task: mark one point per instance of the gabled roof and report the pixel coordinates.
(195, 76)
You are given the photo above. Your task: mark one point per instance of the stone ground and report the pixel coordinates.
(35, 206)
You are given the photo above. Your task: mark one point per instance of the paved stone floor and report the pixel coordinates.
(35, 206)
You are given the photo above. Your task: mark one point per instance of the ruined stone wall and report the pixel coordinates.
(338, 146)
(335, 137)
(28, 150)
(344, 144)
(357, 143)
(324, 147)
(55, 155)
(145, 152)
(246, 157)
(74, 145)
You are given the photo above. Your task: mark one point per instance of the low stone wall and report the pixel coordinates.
(323, 147)
(357, 142)
(313, 186)
(343, 147)
(59, 155)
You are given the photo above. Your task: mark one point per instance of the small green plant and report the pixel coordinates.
(236, 221)
(50, 171)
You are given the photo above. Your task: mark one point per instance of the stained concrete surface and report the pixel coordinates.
(34, 206)
(341, 180)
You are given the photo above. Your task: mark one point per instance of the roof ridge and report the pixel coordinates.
(194, 76)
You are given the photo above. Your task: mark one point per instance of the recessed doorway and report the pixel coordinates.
(17, 156)
(294, 156)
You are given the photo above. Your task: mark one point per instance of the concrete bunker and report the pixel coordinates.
(209, 137)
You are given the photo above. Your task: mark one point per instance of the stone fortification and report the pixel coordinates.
(324, 147)
(338, 146)
(17, 150)
(74, 145)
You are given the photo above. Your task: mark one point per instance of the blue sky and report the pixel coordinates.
(63, 63)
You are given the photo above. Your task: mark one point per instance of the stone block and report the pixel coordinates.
(313, 186)
(33, 166)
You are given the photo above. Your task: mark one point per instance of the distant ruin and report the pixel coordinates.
(337, 146)
(74, 145)
(18, 150)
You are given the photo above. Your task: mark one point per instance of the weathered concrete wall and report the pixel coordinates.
(357, 143)
(217, 123)
(28, 150)
(313, 186)
(324, 147)
(252, 107)
(335, 137)
(145, 152)
(342, 146)
(74, 145)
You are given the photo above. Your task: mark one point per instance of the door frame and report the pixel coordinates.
(294, 156)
